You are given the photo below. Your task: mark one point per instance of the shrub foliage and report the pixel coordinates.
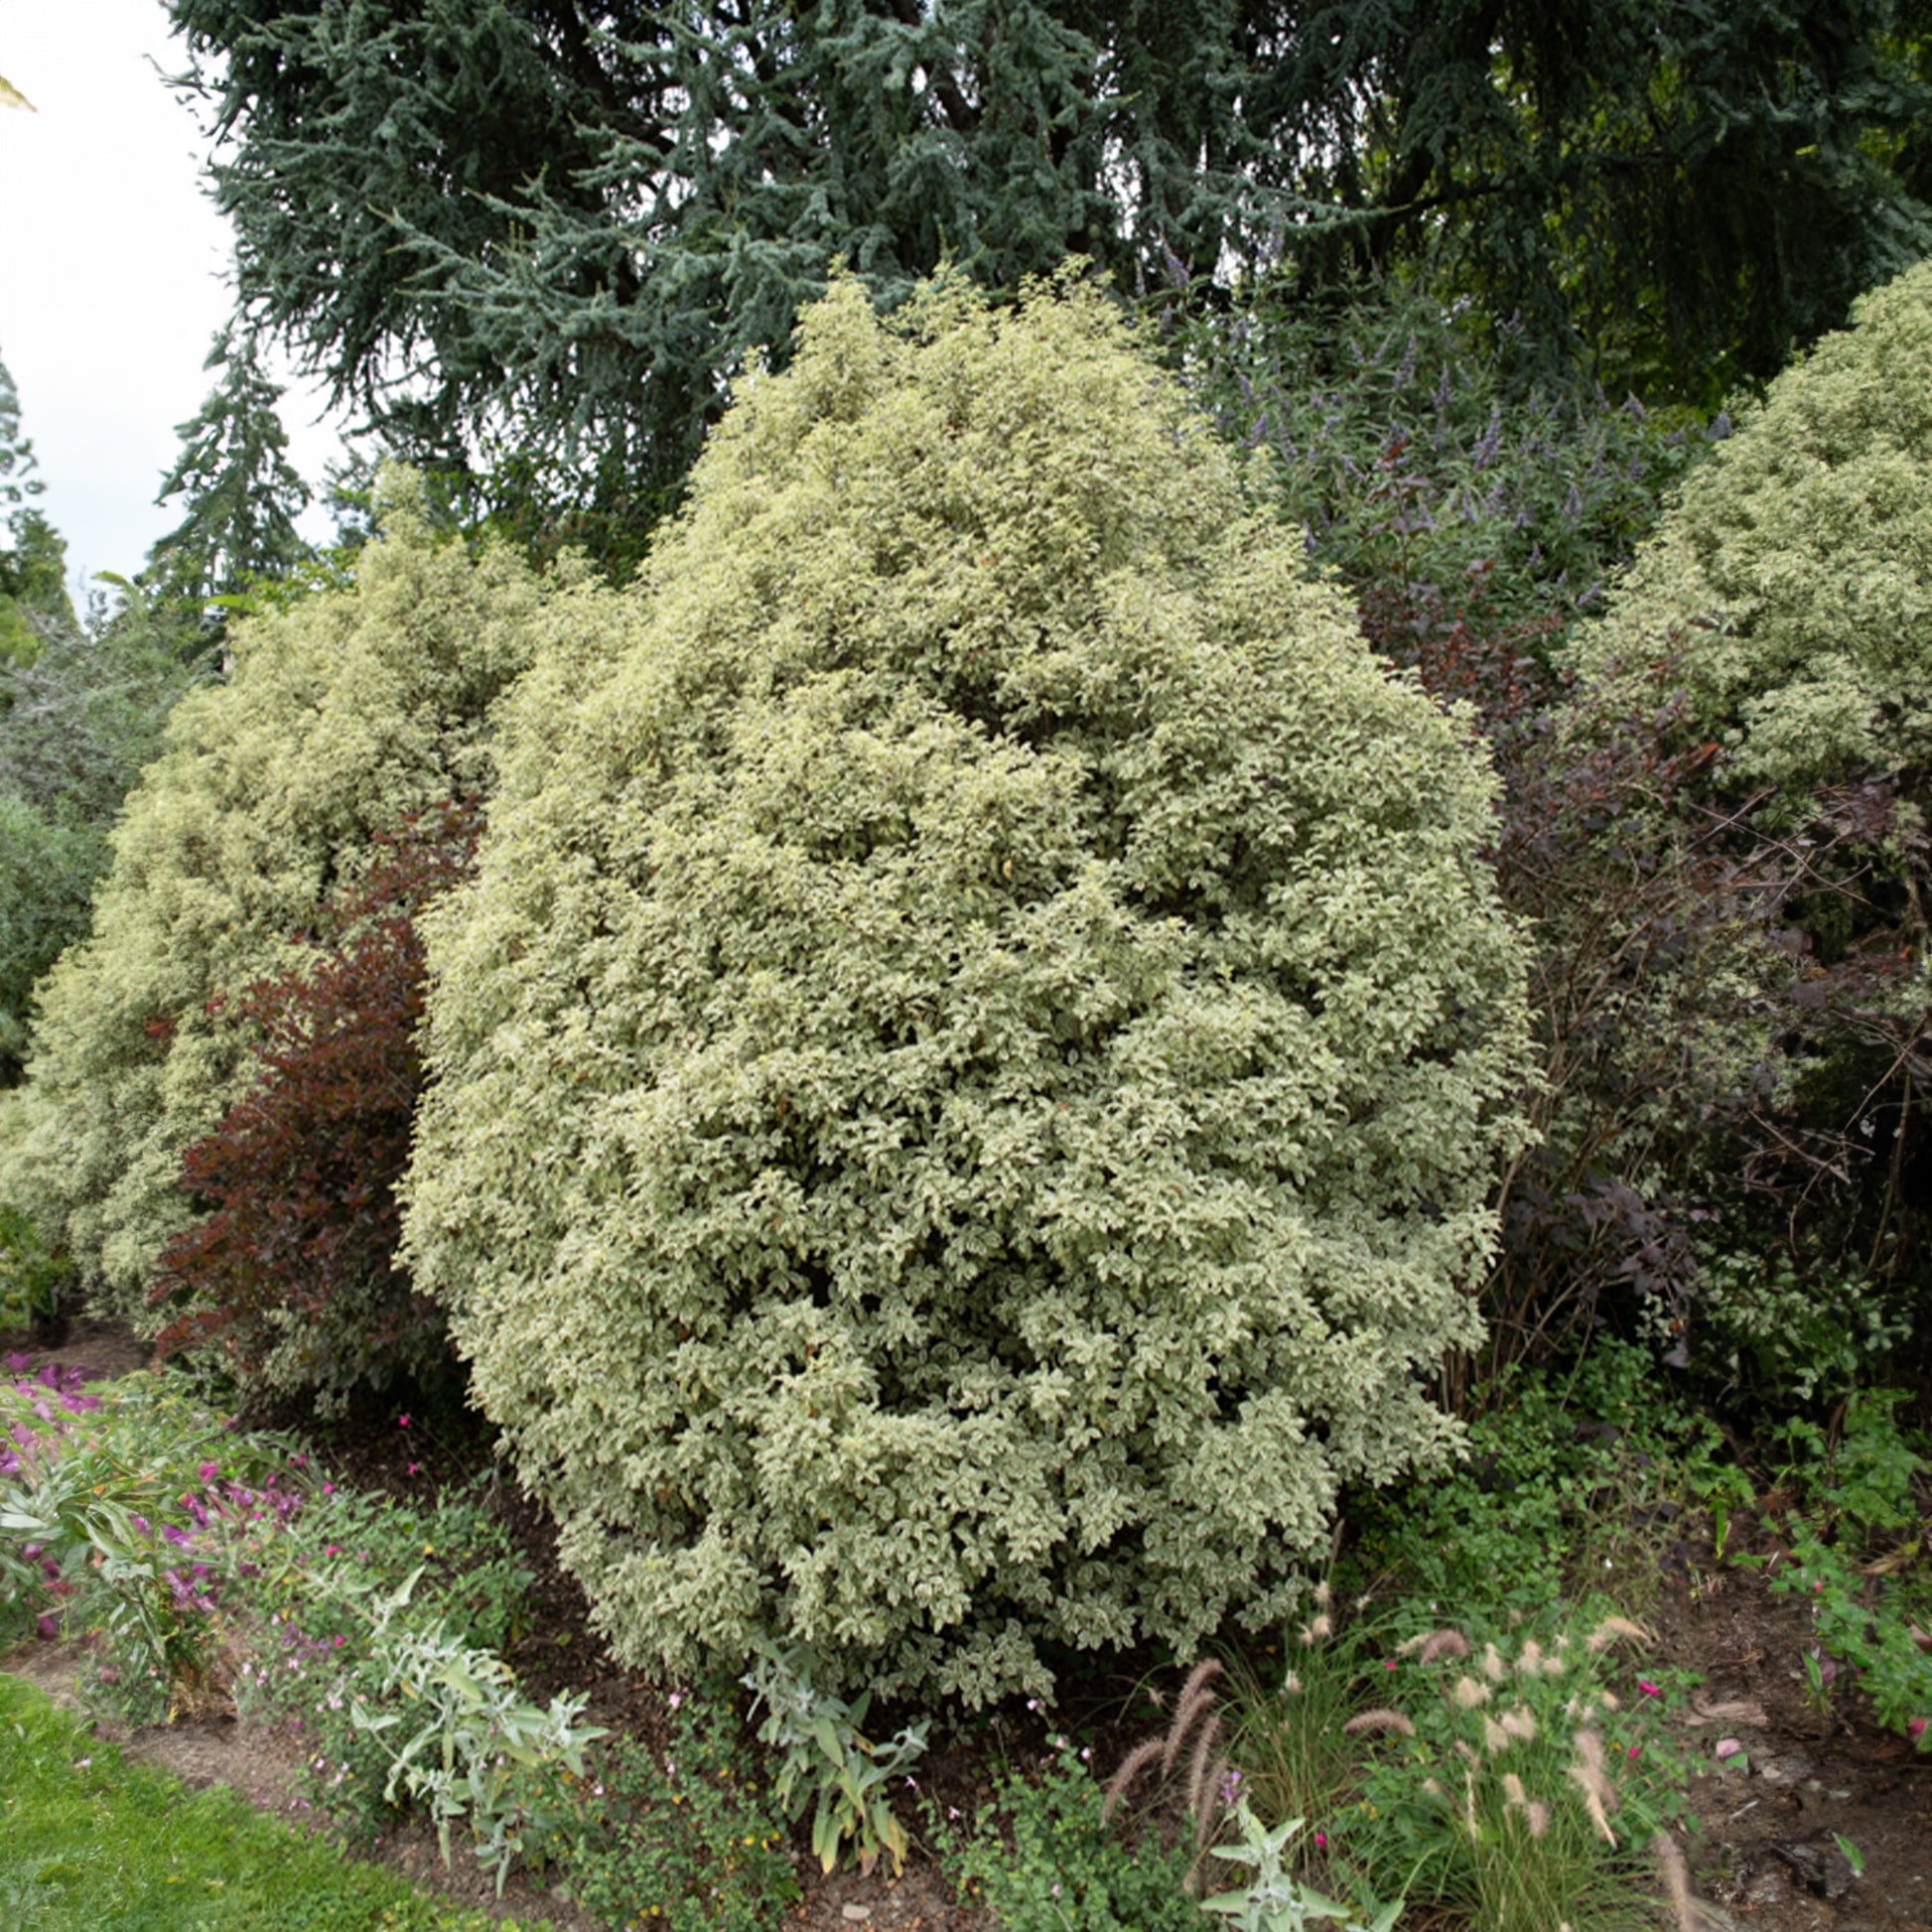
(965, 1090)
(292, 1267)
(1780, 621)
(342, 715)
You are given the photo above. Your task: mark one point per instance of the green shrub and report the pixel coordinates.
(1041, 1859)
(341, 716)
(963, 1097)
(684, 1837)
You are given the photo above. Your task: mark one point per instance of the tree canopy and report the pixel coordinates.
(532, 238)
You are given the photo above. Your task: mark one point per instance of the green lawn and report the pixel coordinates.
(89, 1840)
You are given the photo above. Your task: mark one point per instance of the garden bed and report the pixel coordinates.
(1802, 1775)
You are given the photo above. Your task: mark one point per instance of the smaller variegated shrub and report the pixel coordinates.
(964, 1095)
(341, 715)
(1775, 635)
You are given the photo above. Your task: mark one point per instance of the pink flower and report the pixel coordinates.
(1321, 1840)
(1631, 1753)
(402, 1421)
(1388, 1663)
(1915, 1731)
(208, 1472)
(413, 1468)
(1649, 1689)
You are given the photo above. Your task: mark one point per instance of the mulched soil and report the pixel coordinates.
(1767, 1855)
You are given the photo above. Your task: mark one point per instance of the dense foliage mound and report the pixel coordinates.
(965, 1090)
(342, 715)
(1792, 584)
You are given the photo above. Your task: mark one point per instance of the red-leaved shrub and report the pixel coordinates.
(292, 1270)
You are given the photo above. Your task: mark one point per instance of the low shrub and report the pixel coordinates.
(686, 1836)
(1040, 1856)
(1576, 1481)
(1857, 1556)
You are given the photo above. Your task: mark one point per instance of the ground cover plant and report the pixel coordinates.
(1014, 1035)
(197, 1562)
(1859, 1524)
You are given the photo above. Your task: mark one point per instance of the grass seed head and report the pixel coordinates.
(1613, 1628)
(1368, 1722)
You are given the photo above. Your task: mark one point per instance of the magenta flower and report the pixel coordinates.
(1649, 1689)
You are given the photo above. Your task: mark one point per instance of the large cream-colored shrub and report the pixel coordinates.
(965, 1089)
(343, 713)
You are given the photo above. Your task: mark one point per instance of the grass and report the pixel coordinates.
(95, 1842)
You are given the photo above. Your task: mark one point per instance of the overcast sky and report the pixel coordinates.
(112, 267)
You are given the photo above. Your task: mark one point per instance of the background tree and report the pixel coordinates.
(531, 239)
(33, 564)
(241, 495)
(78, 722)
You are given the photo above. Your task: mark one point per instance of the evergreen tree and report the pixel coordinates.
(240, 493)
(33, 562)
(532, 238)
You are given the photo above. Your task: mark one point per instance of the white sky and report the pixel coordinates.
(112, 266)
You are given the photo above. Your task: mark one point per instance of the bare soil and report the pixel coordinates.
(1771, 1813)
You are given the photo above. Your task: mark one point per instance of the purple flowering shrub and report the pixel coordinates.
(121, 1516)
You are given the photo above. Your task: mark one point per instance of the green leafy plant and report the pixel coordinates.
(683, 1837)
(1274, 1900)
(1570, 1485)
(1041, 1858)
(465, 1743)
(106, 1500)
(1863, 1614)
(829, 1765)
(32, 1281)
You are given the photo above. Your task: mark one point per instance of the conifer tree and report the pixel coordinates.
(240, 493)
(531, 239)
